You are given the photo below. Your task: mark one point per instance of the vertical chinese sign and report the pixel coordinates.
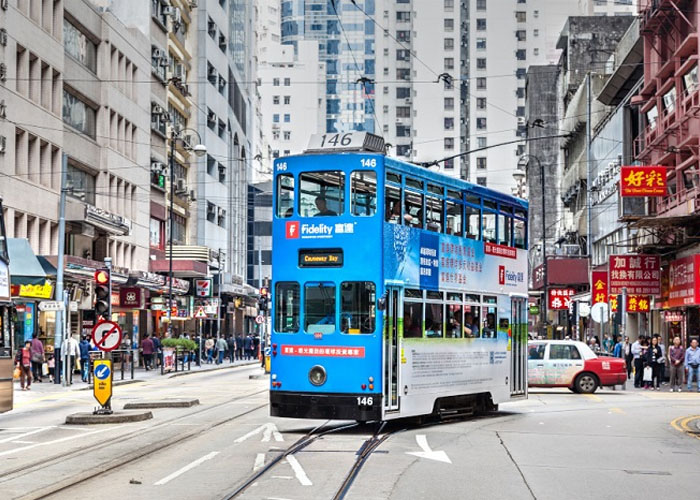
(684, 281)
(599, 286)
(643, 181)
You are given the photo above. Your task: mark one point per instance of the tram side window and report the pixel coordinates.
(285, 195)
(412, 319)
(473, 222)
(392, 196)
(357, 307)
(489, 318)
(434, 217)
(433, 320)
(363, 193)
(519, 233)
(471, 321)
(319, 307)
(287, 307)
(489, 227)
(454, 321)
(321, 193)
(454, 218)
(413, 209)
(504, 229)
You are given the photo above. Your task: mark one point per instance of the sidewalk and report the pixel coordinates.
(140, 375)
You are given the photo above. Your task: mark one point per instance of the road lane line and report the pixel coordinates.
(187, 467)
(20, 436)
(46, 443)
(595, 398)
(619, 411)
(259, 462)
(298, 471)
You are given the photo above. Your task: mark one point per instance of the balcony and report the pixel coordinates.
(682, 203)
(688, 47)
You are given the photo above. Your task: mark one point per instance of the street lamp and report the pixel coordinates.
(520, 172)
(519, 176)
(199, 150)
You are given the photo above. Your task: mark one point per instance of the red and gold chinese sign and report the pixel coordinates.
(635, 303)
(639, 274)
(684, 281)
(560, 298)
(599, 286)
(643, 181)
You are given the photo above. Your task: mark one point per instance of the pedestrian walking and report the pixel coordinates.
(231, 342)
(52, 367)
(157, 351)
(662, 361)
(608, 343)
(84, 358)
(72, 350)
(638, 361)
(692, 363)
(627, 355)
(37, 357)
(23, 362)
(248, 346)
(654, 355)
(147, 349)
(239, 347)
(676, 362)
(221, 347)
(209, 348)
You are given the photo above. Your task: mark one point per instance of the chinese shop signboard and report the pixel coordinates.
(643, 181)
(635, 303)
(560, 298)
(599, 285)
(639, 274)
(684, 281)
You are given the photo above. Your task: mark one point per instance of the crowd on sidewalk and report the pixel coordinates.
(649, 361)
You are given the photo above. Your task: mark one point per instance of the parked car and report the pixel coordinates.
(571, 364)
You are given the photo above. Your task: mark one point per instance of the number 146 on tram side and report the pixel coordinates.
(396, 291)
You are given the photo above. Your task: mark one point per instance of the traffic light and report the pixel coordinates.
(262, 303)
(102, 292)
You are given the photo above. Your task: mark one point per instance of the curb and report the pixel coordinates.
(87, 418)
(229, 367)
(173, 403)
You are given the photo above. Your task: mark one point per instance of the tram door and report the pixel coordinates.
(518, 362)
(391, 350)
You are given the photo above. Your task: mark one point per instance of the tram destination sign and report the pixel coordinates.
(332, 257)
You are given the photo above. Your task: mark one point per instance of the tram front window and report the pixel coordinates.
(319, 307)
(285, 195)
(357, 307)
(287, 310)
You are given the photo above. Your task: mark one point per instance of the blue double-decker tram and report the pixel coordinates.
(396, 291)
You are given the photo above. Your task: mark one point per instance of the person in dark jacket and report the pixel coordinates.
(654, 355)
(37, 357)
(147, 348)
(157, 350)
(239, 347)
(84, 358)
(231, 348)
(248, 346)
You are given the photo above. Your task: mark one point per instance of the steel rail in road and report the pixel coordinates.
(128, 457)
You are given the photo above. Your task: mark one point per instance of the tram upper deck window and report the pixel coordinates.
(473, 225)
(434, 220)
(358, 307)
(321, 193)
(489, 226)
(504, 229)
(412, 319)
(363, 193)
(413, 211)
(287, 307)
(285, 195)
(520, 230)
(392, 208)
(454, 218)
(319, 307)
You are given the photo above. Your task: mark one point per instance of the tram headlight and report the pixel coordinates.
(317, 375)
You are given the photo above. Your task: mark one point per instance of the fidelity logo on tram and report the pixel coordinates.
(296, 230)
(292, 229)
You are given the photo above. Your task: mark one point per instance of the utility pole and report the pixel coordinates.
(58, 335)
(218, 294)
(171, 222)
(589, 173)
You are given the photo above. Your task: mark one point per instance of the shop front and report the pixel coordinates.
(6, 351)
(679, 311)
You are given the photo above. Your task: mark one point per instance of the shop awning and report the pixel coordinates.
(47, 266)
(25, 268)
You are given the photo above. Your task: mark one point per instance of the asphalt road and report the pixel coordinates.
(631, 444)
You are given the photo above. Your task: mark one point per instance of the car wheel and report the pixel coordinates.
(586, 383)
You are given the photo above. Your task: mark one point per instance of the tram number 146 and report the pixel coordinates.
(364, 401)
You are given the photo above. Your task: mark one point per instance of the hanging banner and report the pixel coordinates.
(560, 298)
(684, 281)
(639, 274)
(599, 286)
(643, 181)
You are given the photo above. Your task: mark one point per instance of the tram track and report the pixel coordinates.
(127, 458)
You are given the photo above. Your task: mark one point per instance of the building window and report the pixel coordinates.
(403, 112)
(520, 54)
(536, 32)
(449, 63)
(520, 93)
(521, 35)
(82, 184)
(480, 63)
(211, 212)
(403, 131)
(481, 24)
(481, 123)
(403, 92)
(520, 111)
(449, 4)
(403, 16)
(481, 44)
(521, 16)
(449, 103)
(481, 142)
(403, 74)
(79, 46)
(179, 229)
(449, 123)
(78, 114)
(403, 36)
(481, 181)
(275, 99)
(480, 103)
(275, 118)
(287, 99)
(481, 83)
(287, 118)
(480, 4)
(536, 51)
(449, 143)
(287, 135)
(521, 73)
(481, 162)
(449, 24)
(403, 55)
(403, 149)
(275, 82)
(156, 234)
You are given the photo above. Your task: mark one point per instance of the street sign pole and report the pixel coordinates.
(107, 408)
(102, 386)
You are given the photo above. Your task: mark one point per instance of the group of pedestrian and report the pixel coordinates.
(239, 347)
(648, 357)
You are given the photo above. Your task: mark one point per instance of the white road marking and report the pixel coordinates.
(269, 430)
(282, 477)
(46, 443)
(299, 471)
(422, 441)
(187, 467)
(259, 462)
(23, 442)
(19, 436)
